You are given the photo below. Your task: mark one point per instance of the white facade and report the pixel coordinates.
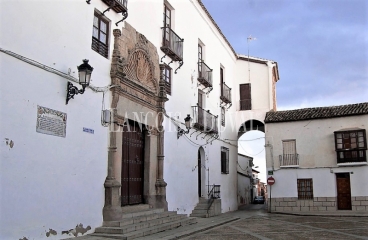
(245, 185)
(50, 184)
(316, 159)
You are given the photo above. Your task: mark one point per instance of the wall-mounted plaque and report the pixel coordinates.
(51, 122)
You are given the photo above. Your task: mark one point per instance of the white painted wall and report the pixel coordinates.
(315, 145)
(55, 183)
(49, 182)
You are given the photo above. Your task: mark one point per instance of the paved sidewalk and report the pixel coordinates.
(253, 222)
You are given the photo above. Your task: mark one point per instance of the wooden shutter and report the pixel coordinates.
(245, 97)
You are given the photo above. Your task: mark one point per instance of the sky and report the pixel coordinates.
(321, 46)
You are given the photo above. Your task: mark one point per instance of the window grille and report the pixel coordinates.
(305, 188)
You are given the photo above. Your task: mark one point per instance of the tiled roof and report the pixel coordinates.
(317, 113)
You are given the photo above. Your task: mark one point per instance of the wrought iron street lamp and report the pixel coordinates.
(84, 73)
(187, 120)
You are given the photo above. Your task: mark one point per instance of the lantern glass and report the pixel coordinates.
(85, 71)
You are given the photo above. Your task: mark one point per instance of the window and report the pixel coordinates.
(166, 72)
(100, 35)
(245, 97)
(167, 24)
(167, 16)
(351, 146)
(289, 156)
(305, 188)
(223, 116)
(224, 160)
(200, 59)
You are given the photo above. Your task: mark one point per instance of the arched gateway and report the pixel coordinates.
(135, 154)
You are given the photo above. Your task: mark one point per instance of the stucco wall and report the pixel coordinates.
(315, 145)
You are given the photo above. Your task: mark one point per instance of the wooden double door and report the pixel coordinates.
(343, 191)
(132, 165)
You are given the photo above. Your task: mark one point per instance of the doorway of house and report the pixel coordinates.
(199, 174)
(343, 191)
(132, 164)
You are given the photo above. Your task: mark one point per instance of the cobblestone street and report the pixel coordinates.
(255, 223)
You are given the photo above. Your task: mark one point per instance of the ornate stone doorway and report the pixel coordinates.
(135, 173)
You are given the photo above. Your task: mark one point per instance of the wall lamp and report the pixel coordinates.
(187, 120)
(84, 73)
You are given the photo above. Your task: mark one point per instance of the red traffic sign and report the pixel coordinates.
(270, 181)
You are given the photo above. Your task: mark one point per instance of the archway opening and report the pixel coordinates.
(251, 161)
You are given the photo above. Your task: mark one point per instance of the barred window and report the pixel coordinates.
(100, 34)
(224, 160)
(305, 188)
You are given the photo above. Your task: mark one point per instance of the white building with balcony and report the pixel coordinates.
(67, 169)
(318, 157)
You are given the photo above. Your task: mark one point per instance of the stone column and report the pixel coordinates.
(160, 182)
(112, 210)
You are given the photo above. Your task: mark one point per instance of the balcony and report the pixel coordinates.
(204, 121)
(351, 157)
(172, 44)
(225, 94)
(289, 160)
(245, 104)
(118, 6)
(204, 75)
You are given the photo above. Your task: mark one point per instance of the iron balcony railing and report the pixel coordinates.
(289, 159)
(172, 44)
(204, 121)
(225, 93)
(118, 6)
(245, 104)
(204, 74)
(213, 191)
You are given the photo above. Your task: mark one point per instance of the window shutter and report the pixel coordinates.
(245, 97)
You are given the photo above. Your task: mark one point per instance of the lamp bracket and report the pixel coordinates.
(72, 90)
(88, 1)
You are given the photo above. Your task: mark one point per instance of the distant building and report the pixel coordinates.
(245, 185)
(319, 158)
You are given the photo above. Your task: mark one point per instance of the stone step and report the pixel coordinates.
(186, 231)
(138, 219)
(142, 213)
(203, 206)
(184, 221)
(141, 225)
(135, 208)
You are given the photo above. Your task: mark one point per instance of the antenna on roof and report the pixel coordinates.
(250, 38)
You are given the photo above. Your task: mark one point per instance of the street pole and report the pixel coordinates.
(270, 198)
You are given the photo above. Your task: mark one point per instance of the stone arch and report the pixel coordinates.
(251, 124)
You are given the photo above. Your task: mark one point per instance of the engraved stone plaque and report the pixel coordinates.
(51, 122)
